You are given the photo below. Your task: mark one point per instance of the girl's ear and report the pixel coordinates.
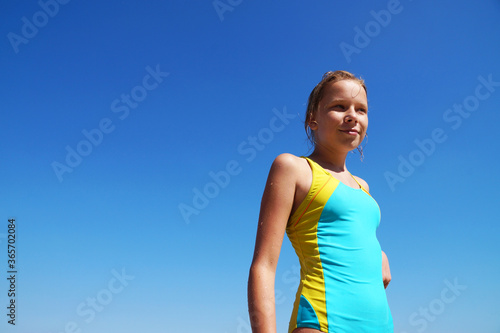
(313, 125)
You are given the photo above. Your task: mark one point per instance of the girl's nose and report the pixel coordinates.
(351, 116)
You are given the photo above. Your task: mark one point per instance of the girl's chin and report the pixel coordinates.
(343, 146)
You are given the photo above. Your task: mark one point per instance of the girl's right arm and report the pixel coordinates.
(276, 205)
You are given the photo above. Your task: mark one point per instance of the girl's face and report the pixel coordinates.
(341, 120)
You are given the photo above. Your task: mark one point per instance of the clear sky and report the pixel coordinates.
(137, 137)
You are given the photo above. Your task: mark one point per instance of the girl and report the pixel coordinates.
(331, 221)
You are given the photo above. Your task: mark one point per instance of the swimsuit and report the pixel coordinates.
(333, 232)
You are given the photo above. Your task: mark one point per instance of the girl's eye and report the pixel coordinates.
(363, 110)
(338, 107)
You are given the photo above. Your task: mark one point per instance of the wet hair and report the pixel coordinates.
(318, 92)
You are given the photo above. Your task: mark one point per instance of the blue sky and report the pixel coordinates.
(116, 115)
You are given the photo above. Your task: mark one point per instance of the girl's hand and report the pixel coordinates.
(386, 271)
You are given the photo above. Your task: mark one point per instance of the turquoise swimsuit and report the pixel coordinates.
(333, 232)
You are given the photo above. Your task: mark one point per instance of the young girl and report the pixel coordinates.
(331, 221)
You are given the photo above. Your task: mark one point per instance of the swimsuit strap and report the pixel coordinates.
(361, 186)
(324, 170)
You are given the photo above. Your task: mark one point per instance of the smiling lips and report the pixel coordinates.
(350, 131)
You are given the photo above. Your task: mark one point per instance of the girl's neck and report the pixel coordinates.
(334, 160)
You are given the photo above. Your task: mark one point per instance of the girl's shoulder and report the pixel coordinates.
(363, 183)
(290, 162)
(290, 166)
